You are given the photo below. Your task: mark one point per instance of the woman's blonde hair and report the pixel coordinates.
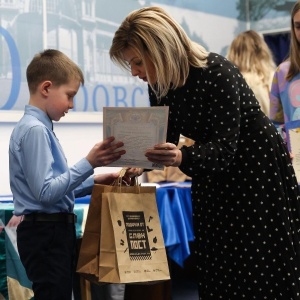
(294, 56)
(250, 53)
(154, 35)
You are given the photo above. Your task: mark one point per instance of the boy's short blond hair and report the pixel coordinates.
(52, 65)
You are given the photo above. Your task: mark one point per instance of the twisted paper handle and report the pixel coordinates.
(119, 181)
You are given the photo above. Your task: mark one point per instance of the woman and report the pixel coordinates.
(284, 98)
(244, 192)
(250, 53)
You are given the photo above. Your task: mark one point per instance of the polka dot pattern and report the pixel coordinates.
(245, 195)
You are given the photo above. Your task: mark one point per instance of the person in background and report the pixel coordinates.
(284, 97)
(43, 185)
(246, 208)
(251, 54)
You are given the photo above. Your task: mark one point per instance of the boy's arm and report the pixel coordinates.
(45, 167)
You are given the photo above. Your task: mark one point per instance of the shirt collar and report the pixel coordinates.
(39, 114)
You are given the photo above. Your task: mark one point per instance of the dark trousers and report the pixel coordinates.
(47, 251)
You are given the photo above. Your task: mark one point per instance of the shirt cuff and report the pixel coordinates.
(84, 167)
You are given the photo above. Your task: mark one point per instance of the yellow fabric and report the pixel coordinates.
(16, 291)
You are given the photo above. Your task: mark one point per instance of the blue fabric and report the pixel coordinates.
(175, 210)
(83, 200)
(46, 184)
(79, 211)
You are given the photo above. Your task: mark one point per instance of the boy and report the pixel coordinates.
(42, 184)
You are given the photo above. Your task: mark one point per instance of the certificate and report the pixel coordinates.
(293, 142)
(139, 128)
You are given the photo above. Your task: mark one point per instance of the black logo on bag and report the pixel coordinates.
(136, 231)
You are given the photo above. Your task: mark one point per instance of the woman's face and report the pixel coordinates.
(296, 21)
(137, 67)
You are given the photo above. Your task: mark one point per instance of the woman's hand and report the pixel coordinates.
(166, 154)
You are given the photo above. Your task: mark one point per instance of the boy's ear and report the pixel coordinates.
(44, 87)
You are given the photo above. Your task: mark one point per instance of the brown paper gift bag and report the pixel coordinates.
(88, 259)
(101, 230)
(131, 247)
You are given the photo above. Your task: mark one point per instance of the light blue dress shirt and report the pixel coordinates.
(40, 178)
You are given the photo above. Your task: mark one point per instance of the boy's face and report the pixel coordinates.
(60, 99)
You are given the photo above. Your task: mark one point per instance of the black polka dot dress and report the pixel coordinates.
(245, 195)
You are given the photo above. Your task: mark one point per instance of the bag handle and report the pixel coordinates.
(119, 181)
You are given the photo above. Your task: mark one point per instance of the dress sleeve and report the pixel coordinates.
(222, 115)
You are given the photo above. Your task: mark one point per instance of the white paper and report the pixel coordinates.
(294, 140)
(140, 128)
(12, 235)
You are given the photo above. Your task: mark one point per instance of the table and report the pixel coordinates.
(175, 211)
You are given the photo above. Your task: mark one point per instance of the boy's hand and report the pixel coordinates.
(107, 179)
(14, 221)
(105, 153)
